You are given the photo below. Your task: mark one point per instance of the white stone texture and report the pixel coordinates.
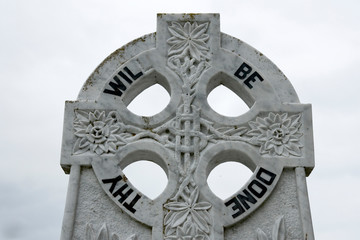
(189, 57)
(282, 202)
(96, 208)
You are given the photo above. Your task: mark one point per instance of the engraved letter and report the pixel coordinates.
(243, 71)
(113, 182)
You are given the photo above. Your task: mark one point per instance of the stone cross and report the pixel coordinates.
(189, 57)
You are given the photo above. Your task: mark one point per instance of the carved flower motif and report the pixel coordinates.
(179, 212)
(188, 232)
(96, 132)
(277, 134)
(189, 38)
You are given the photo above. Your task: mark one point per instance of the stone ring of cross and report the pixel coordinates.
(189, 58)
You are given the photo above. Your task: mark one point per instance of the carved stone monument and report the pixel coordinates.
(189, 57)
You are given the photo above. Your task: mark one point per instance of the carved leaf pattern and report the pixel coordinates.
(260, 235)
(275, 134)
(103, 234)
(278, 232)
(188, 58)
(279, 229)
(190, 38)
(188, 54)
(232, 133)
(188, 231)
(102, 133)
(187, 214)
(179, 212)
(133, 237)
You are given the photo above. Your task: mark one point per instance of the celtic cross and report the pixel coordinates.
(189, 57)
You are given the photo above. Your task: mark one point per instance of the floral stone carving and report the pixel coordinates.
(189, 40)
(96, 132)
(101, 133)
(188, 56)
(190, 214)
(277, 134)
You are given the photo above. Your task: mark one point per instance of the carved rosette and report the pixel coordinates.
(97, 132)
(277, 134)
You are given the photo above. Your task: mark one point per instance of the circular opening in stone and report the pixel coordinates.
(225, 102)
(151, 101)
(147, 176)
(227, 178)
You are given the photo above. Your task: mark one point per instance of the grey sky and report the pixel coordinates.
(48, 49)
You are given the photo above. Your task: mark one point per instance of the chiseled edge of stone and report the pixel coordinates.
(304, 205)
(71, 203)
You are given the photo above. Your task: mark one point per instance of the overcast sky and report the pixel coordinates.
(48, 49)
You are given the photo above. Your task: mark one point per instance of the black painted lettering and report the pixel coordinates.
(117, 87)
(247, 198)
(120, 192)
(237, 207)
(125, 77)
(253, 192)
(113, 182)
(133, 76)
(252, 78)
(266, 176)
(256, 188)
(130, 206)
(243, 71)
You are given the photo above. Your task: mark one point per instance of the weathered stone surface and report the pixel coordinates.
(189, 57)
